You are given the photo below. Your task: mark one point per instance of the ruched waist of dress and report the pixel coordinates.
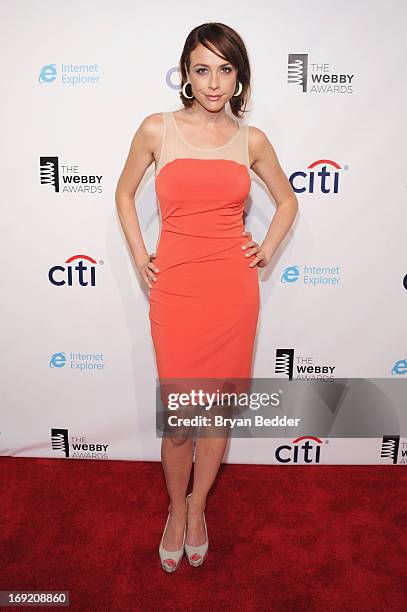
(177, 248)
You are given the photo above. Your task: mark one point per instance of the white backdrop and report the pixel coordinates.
(78, 78)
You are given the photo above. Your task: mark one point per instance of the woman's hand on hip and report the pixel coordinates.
(147, 269)
(261, 260)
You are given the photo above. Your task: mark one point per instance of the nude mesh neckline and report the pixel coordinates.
(197, 148)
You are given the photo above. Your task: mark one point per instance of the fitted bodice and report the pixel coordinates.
(201, 195)
(175, 146)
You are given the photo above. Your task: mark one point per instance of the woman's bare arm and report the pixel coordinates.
(267, 166)
(145, 141)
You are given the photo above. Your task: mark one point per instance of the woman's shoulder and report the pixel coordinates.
(256, 136)
(150, 132)
(257, 141)
(153, 121)
(152, 127)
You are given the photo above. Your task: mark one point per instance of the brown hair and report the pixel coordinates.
(219, 37)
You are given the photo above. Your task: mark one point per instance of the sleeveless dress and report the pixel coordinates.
(205, 302)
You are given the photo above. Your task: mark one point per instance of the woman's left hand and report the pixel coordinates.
(261, 259)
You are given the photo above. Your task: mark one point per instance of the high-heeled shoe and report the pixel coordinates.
(170, 559)
(197, 554)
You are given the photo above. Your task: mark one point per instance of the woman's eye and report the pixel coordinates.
(229, 70)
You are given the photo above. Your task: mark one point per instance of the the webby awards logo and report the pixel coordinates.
(317, 77)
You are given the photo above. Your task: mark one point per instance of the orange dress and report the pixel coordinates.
(204, 305)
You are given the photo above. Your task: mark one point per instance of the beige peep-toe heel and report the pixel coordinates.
(197, 554)
(170, 559)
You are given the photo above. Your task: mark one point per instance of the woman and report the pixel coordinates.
(204, 294)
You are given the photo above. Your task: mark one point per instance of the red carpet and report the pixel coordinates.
(329, 538)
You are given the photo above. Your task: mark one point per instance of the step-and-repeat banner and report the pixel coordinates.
(78, 366)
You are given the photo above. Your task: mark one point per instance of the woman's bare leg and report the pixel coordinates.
(208, 457)
(176, 456)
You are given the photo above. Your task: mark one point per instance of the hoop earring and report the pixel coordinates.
(239, 90)
(184, 90)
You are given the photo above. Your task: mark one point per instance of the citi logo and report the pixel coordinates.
(81, 274)
(49, 172)
(308, 452)
(322, 177)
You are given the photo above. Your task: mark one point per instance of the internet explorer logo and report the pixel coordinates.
(400, 367)
(48, 73)
(58, 360)
(291, 274)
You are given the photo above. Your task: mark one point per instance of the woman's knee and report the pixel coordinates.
(179, 440)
